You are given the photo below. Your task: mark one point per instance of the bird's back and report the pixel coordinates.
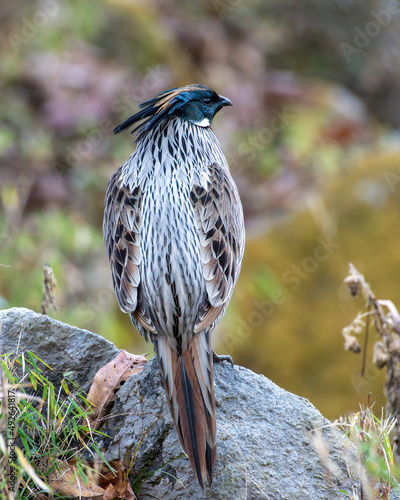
(166, 167)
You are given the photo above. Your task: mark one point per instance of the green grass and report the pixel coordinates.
(375, 471)
(44, 430)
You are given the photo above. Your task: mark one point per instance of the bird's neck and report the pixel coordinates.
(175, 129)
(181, 139)
(174, 147)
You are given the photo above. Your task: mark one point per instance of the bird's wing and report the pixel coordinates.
(219, 220)
(121, 229)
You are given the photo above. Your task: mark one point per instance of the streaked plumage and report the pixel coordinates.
(174, 236)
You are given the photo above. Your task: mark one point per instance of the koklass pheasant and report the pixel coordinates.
(174, 235)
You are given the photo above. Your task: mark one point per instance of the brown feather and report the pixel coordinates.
(188, 383)
(218, 220)
(121, 228)
(169, 96)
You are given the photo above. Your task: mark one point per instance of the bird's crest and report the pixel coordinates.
(161, 106)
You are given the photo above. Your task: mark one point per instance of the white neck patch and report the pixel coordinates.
(205, 122)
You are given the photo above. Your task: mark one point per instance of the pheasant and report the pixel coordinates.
(174, 236)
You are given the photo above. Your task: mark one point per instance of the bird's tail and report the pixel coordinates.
(189, 384)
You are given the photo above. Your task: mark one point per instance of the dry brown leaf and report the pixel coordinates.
(102, 484)
(117, 485)
(65, 480)
(108, 380)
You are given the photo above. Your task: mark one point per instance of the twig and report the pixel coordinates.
(49, 285)
(364, 360)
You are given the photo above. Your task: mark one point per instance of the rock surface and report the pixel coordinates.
(64, 347)
(264, 433)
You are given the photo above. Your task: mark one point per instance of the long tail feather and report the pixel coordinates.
(189, 385)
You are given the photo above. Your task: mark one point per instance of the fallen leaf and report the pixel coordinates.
(108, 380)
(65, 480)
(117, 485)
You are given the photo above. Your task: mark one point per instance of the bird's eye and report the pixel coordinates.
(207, 100)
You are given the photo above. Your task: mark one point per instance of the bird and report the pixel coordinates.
(174, 236)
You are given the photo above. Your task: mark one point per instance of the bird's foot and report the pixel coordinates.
(220, 359)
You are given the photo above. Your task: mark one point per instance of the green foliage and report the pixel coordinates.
(376, 471)
(47, 426)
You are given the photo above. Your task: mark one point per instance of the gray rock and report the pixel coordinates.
(63, 347)
(264, 441)
(264, 433)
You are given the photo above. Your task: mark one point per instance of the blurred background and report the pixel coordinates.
(313, 142)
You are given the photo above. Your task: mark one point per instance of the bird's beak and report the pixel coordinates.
(224, 101)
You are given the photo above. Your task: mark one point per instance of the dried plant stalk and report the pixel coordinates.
(49, 286)
(386, 320)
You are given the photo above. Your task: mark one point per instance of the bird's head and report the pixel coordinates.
(194, 103)
(199, 104)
